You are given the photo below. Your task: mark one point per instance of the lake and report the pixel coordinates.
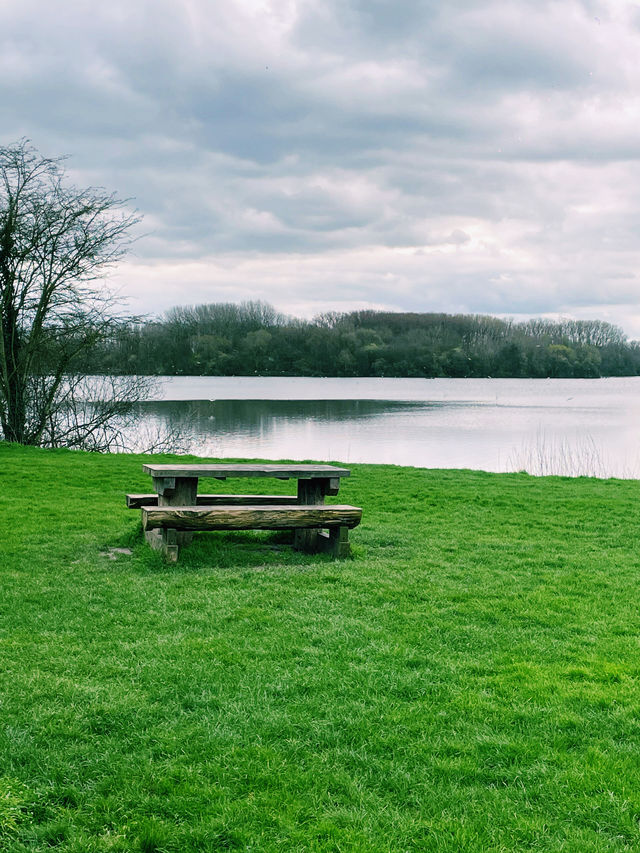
(566, 426)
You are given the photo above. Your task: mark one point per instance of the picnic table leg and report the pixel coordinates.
(309, 492)
(178, 491)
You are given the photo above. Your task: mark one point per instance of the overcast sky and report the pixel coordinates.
(411, 155)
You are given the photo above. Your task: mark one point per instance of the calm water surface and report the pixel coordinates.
(572, 426)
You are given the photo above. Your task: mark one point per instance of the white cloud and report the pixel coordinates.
(471, 156)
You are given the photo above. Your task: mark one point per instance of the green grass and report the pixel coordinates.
(469, 681)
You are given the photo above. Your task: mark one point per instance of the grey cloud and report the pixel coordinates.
(496, 141)
(507, 47)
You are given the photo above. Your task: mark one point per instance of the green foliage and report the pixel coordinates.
(469, 681)
(251, 338)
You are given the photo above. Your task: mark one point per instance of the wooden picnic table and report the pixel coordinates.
(176, 508)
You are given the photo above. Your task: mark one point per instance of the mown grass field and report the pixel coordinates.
(469, 681)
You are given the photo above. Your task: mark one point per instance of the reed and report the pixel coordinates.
(563, 456)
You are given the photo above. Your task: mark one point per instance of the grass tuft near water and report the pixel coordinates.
(470, 680)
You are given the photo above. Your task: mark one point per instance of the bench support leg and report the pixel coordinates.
(336, 542)
(171, 545)
(305, 541)
(165, 541)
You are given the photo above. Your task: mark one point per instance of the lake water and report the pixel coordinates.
(565, 426)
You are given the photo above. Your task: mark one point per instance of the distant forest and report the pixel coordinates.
(225, 339)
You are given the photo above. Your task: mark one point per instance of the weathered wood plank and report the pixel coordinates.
(301, 471)
(250, 517)
(182, 493)
(332, 486)
(171, 541)
(336, 542)
(310, 492)
(165, 540)
(135, 501)
(164, 484)
(177, 491)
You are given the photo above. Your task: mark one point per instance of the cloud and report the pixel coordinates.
(474, 156)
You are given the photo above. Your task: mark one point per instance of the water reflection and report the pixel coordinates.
(219, 417)
(589, 427)
(344, 430)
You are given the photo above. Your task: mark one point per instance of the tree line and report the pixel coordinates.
(252, 338)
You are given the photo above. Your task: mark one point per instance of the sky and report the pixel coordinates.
(337, 155)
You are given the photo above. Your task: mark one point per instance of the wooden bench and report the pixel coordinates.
(176, 510)
(337, 519)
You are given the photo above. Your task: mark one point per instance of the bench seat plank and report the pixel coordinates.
(230, 517)
(136, 501)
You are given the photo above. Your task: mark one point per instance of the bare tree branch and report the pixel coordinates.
(56, 244)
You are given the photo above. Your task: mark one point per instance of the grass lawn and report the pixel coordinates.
(469, 681)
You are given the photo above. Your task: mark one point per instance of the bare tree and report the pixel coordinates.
(56, 243)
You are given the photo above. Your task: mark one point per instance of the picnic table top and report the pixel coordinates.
(221, 472)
